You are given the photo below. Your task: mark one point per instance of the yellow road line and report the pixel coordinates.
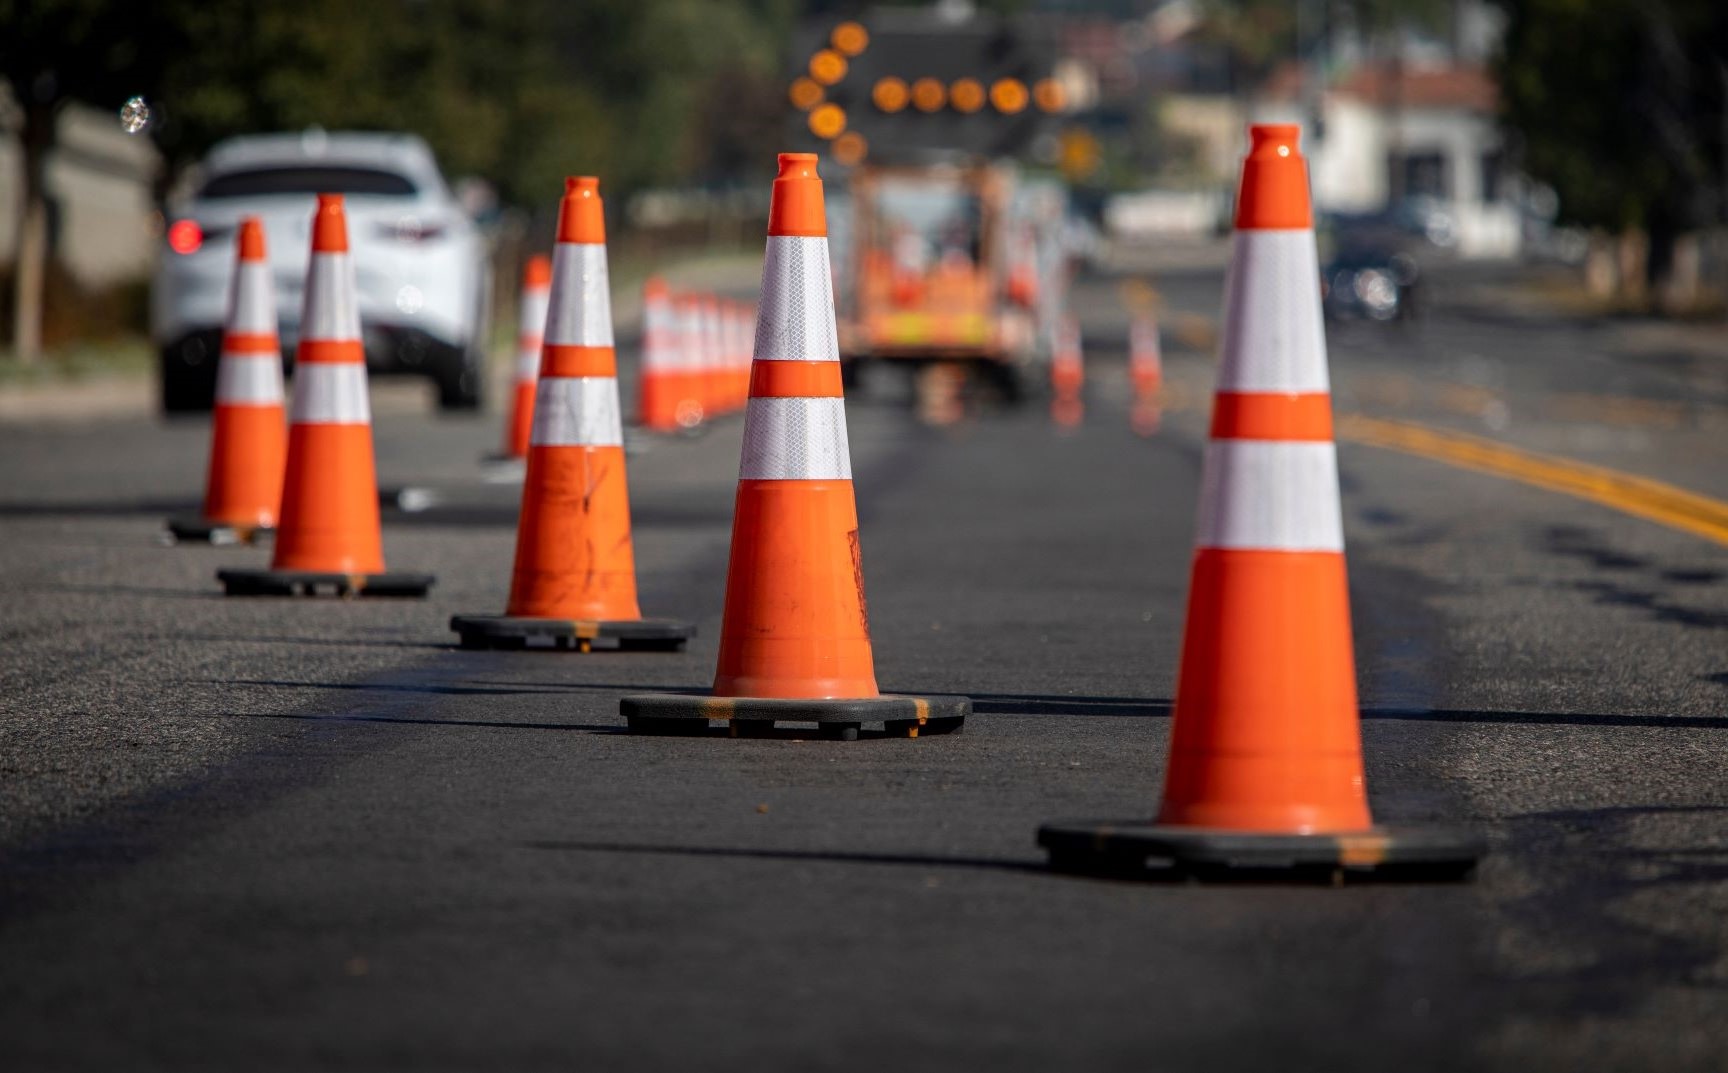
(1639, 496)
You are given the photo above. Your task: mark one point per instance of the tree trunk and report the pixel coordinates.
(1632, 251)
(30, 268)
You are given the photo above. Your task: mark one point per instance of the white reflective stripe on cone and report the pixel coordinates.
(527, 364)
(581, 315)
(1273, 337)
(249, 379)
(659, 349)
(795, 317)
(690, 354)
(1270, 495)
(1143, 342)
(535, 303)
(330, 393)
(332, 309)
(577, 411)
(795, 440)
(253, 304)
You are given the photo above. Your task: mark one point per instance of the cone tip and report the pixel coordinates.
(330, 226)
(1274, 139)
(798, 166)
(251, 239)
(796, 208)
(538, 272)
(580, 218)
(656, 287)
(1274, 191)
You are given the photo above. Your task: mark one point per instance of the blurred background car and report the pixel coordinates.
(1369, 281)
(420, 261)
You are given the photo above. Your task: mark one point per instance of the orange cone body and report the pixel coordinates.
(1266, 736)
(795, 623)
(574, 557)
(1067, 375)
(1145, 357)
(330, 494)
(1067, 365)
(536, 284)
(658, 390)
(249, 434)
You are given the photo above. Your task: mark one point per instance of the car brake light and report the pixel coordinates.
(185, 236)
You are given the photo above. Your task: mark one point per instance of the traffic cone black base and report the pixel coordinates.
(580, 635)
(1150, 851)
(756, 717)
(197, 529)
(318, 583)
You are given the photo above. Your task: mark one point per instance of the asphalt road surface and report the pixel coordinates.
(268, 834)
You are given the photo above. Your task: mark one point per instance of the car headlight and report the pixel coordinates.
(1377, 290)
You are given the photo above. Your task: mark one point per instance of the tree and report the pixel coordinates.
(52, 52)
(1619, 105)
(519, 91)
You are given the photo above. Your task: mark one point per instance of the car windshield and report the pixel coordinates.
(307, 180)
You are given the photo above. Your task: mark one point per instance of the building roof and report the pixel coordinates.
(1468, 89)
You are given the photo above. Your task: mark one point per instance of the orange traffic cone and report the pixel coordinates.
(713, 357)
(329, 535)
(575, 574)
(745, 327)
(1265, 768)
(693, 405)
(795, 642)
(249, 435)
(536, 292)
(1146, 374)
(657, 389)
(1145, 356)
(1067, 375)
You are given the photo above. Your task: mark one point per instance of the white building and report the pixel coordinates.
(1382, 135)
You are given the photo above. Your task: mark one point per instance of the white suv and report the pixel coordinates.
(421, 263)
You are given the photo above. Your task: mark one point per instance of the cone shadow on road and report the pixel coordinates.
(326, 642)
(912, 860)
(383, 687)
(1578, 719)
(1034, 704)
(487, 724)
(1152, 874)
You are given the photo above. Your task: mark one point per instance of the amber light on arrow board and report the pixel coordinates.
(850, 148)
(805, 94)
(827, 67)
(966, 95)
(828, 121)
(1009, 96)
(1048, 93)
(890, 94)
(928, 95)
(849, 38)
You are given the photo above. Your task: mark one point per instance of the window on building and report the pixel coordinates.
(1421, 174)
(1493, 176)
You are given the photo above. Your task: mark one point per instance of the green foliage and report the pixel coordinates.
(518, 91)
(1618, 104)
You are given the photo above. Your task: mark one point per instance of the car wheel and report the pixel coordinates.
(186, 388)
(458, 387)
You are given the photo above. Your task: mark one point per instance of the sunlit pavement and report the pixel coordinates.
(267, 834)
